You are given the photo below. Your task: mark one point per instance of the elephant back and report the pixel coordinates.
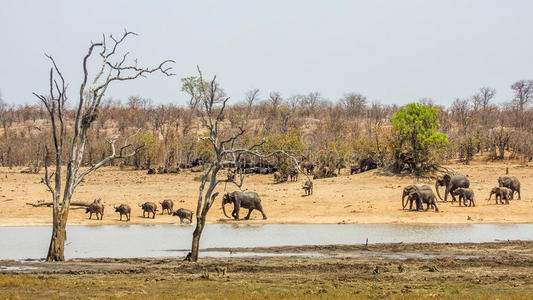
(245, 195)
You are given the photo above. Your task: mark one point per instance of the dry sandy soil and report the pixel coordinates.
(370, 197)
(453, 271)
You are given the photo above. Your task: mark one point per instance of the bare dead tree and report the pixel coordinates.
(111, 68)
(211, 103)
(354, 104)
(482, 99)
(523, 91)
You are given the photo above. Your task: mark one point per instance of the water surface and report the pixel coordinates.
(126, 241)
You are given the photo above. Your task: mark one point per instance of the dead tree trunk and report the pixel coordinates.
(211, 102)
(56, 251)
(110, 69)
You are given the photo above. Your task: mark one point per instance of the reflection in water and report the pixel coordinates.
(155, 240)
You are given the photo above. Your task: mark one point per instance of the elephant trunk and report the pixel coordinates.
(224, 209)
(437, 189)
(404, 203)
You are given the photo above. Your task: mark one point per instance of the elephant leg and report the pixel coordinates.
(453, 197)
(249, 213)
(446, 194)
(435, 205)
(260, 208)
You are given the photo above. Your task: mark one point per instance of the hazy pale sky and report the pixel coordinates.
(390, 51)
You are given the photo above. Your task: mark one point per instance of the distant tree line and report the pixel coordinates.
(329, 134)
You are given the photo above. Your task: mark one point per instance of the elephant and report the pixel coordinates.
(418, 193)
(465, 194)
(502, 192)
(249, 200)
(510, 182)
(451, 182)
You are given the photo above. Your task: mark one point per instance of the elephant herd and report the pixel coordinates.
(457, 186)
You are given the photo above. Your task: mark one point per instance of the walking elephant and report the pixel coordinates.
(465, 195)
(249, 200)
(451, 182)
(501, 192)
(420, 194)
(511, 183)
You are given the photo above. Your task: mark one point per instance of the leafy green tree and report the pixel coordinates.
(417, 145)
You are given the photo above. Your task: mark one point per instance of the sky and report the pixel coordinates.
(390, 51)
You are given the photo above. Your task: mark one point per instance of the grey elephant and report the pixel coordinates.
(407, 190)
(451, 182)
(466, 195)
(424, 196)
(501, 192)
(510, 182)
(249, 200)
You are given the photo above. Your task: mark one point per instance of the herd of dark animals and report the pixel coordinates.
(455, 185)
(265, 168)
(458, 185)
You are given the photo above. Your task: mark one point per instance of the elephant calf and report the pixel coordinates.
(511, 183)
(419, 194)
(501, 192)
(465, 194)
(416, 196)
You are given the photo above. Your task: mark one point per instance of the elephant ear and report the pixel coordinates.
(447, 178)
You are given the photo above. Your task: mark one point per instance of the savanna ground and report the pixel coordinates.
(370, 197)
(401, 271)
(469, 271)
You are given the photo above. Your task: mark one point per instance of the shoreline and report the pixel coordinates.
(285, 223)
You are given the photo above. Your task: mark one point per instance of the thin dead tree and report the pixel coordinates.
(211, 101)
(112, 68)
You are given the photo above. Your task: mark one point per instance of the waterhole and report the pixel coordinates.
(128, 241)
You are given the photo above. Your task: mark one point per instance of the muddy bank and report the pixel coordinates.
(500, 270)
(494, 254)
